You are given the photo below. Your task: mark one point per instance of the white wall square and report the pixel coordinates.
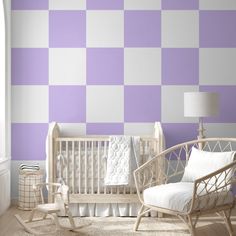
(217, 4)
(67, 66)
(105, 28)
(172, 104)
(142, 4)
(67, 4)
(105, 104)
(29, 104)
(29, 29)
(217, 66)
(72, 129)
(180, 29)
(142, 66)
(220, 130)
(139, 129)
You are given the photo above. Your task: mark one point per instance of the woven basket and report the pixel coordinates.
(26, 194)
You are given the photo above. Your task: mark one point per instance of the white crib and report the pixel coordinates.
(81, 163)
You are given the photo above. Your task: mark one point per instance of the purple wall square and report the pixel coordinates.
(176, 133)
(105, 66)
(142, 29)
(105, 128)
(180, 66)
(105, 4)
(142, 103)
(227, 97)
(29, 4)
(217, 29)
(67, 104)
(29, 66)
(67, 29)
(28, 141)
(180, 4)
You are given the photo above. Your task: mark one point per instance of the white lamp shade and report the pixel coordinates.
(201, 104)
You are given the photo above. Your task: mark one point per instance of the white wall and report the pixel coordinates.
(5, 147)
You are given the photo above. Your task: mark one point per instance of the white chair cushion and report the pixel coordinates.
(177, 197)
(48, 207)
(202, 163)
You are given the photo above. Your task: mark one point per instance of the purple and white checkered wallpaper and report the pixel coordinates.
(116, 66)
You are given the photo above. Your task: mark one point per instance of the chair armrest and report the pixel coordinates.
(213, 185)
(149, 174)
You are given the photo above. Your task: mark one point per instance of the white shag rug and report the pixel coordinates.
(118, 226)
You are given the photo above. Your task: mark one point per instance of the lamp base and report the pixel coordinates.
(201, 130)
(201, 134)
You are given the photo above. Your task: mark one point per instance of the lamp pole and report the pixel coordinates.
(201, 129)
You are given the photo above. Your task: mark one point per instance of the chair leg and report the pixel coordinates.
(71, 220)
(44, 216)
(139, 218)
(31, 216)
(55, 220)
(142, 212)
(189, 222)
(191, 226)
(226, 217)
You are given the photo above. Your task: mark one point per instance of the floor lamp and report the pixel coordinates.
(201, 104)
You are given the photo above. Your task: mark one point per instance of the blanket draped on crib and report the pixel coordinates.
(123, 159)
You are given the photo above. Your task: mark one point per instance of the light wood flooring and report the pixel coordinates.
(112, 226)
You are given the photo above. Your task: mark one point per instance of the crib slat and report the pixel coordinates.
(124, 190)
(98, 170)
(41, 195)
(105, 164)
(131, 190)
(61, 168)
(67, 159)
(85, 166)
(92, 163)
(73, 167)
(143, 151)
(79, 180)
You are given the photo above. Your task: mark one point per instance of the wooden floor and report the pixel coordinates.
(100, 226)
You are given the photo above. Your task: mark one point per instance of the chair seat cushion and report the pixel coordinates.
(177, 197)
(48, 208)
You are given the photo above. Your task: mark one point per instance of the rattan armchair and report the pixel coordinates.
(162, 184)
